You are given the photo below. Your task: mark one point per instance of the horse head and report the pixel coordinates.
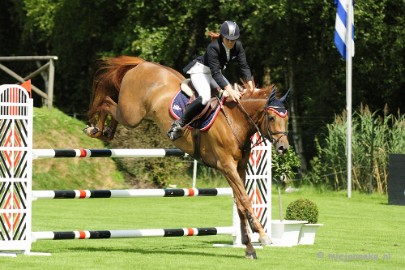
(274, 127)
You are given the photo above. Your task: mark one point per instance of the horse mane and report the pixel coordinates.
(266, 91)
(258, 93)
(108, 79)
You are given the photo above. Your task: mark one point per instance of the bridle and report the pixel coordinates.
(267, 119)
(270, 133)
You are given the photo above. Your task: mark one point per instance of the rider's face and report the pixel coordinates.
(229, 43)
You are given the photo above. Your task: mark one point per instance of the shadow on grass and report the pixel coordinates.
(154, 251)
(181, 249)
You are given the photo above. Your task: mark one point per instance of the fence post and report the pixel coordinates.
(16, 169)
(51, 80)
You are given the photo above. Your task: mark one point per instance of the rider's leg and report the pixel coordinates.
(201, 82)
(192, 109)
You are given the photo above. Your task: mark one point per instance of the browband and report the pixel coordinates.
(280, 111)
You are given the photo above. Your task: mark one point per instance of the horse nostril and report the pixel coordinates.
(282, 149)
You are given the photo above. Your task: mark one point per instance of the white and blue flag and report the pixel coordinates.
(340, 26)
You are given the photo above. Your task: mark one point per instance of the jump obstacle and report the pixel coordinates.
(130, 193)
(117, 153)
(16, 195)
(132, 233)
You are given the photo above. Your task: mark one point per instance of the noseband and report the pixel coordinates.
(270, 133)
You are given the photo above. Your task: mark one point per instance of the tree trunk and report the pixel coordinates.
(296, 130)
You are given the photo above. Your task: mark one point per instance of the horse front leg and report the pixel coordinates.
(257, 227)
(254, 222)
(246, 213)
(250, 252)
(242, 208)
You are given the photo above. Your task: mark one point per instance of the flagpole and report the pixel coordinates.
(349, 95)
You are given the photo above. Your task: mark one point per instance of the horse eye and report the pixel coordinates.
(271, 118)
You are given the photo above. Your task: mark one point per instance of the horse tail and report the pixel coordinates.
(108, 80)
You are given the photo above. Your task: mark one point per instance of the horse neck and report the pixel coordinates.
(251, 110)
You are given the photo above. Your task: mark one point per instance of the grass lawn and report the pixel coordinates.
(358, 233)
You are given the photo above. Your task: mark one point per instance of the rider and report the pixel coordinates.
(205, 73)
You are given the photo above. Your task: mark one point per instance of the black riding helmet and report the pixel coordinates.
(230, 30)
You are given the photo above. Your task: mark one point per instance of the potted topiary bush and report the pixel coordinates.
(304, 209)
(284, 232)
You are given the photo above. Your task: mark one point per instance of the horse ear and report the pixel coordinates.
(285, 97)
(273, 94)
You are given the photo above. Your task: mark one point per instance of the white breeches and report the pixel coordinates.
(202, 80)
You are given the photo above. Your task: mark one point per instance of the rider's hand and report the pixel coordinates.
(234, 94)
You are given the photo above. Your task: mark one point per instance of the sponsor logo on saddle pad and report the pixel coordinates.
(178, 103)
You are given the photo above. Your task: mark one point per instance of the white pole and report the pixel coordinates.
(195, 173)
(349, 95)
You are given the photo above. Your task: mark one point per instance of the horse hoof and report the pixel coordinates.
(265, 241)
(91, 131)
(250, 255)
(86, 130)
(94, 131)
(107, 133)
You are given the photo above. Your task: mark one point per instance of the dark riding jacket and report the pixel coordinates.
(215, 58)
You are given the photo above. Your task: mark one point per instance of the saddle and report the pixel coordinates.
(186, 95)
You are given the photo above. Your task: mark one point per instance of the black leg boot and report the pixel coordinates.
(176, 130)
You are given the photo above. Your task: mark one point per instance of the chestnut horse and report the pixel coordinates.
(129, 89)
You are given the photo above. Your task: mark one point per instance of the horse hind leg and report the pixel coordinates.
(95, 130)
(109, 130)
(109, 107)
(106, 124)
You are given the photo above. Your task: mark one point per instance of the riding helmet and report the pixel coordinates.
(230, 30)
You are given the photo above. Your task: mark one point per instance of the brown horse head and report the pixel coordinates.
(274, 127)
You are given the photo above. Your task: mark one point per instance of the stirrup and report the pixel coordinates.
(175, 131)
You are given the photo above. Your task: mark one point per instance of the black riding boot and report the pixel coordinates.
(176, 131)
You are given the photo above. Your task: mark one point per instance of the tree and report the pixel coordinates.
(288, 43)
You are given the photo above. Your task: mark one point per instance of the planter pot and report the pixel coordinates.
(286, 232)
(307, 234)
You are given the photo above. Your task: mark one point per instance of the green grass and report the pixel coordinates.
(358, 233)
(53, 129)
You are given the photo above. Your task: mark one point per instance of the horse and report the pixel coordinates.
(128, 89)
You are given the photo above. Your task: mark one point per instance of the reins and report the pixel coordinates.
(269, 132)
(254, 124)
(230, 125)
